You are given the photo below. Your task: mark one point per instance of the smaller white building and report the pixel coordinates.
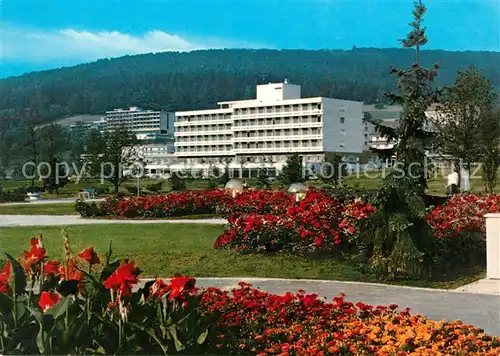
(146, 124)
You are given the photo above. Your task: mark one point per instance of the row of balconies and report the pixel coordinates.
(256, 115)
(184, 122)
(279, 138)
(204, 143)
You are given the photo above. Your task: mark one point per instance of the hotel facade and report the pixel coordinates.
(146, 124)
(248, 135)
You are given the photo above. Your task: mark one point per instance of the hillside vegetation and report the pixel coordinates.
(198, 79)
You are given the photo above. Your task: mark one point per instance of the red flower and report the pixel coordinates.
(90, 256)
(180, 285)
(48, 299)
(51, 268)
(123, 279)
(4, 278)
(35, 255)
(73, 273)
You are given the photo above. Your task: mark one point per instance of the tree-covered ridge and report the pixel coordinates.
(198, 79)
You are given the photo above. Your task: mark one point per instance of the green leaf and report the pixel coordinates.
(40, 341)
(19, 275)
(173, 332)
(152, 334)
(202, 337)
(37, 314)
(108, 270)
(59, 308)
(66, 288)
(5, 304)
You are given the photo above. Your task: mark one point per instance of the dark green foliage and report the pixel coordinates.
(334, 170)
(490, 151)
(176, 182)
(109, 154)
(398, 242)
(293, 170)
(156, 187)
(56, 176)
(263, 181)
(16, 195)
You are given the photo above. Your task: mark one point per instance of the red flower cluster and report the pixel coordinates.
(178, 289)
(462, 213)
(4, 278)
(354, 214)
(164, 205)
(311, 223)
(303, 324)
(123, 278)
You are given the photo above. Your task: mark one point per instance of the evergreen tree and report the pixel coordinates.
(401, 242)
(176, 182)
(292, 171)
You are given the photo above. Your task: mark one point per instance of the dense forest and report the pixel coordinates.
(198, 79)
(180, 81)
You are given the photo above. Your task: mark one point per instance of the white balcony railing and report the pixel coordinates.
(203, 122)
(248, 127)
(276, 114)
(203, 143)
(278, 149)
(204, 153)
(278, 138)
(203, 132)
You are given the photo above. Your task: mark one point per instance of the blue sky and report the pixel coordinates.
(46, 34)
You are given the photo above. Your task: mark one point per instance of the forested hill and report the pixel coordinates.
(180, 81)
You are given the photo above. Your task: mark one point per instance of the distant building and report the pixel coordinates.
(84, 126)
(146, 124)
(248, 135)
(157, 158)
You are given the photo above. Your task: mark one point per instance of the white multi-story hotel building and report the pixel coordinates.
(146, 124)
(250, 134)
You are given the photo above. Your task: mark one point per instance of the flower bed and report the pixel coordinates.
(88, 304)
(189, 202)
(463, 213)
(310, 224)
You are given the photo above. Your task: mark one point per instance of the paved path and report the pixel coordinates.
(65, 220)
(480, 310)
(51, 201)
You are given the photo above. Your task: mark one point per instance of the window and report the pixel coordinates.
(342, 145)
(366, 135)
(342, 120)
(319, 118)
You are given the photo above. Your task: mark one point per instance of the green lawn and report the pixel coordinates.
(161, 250)
(39, 209)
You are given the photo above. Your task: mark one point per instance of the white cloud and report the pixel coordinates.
(69, 44)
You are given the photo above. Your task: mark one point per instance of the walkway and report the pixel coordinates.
(52, 201)
(480, 310)
(65, 220)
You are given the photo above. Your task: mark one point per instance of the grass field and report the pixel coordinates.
(39, 209)
(162, 250)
